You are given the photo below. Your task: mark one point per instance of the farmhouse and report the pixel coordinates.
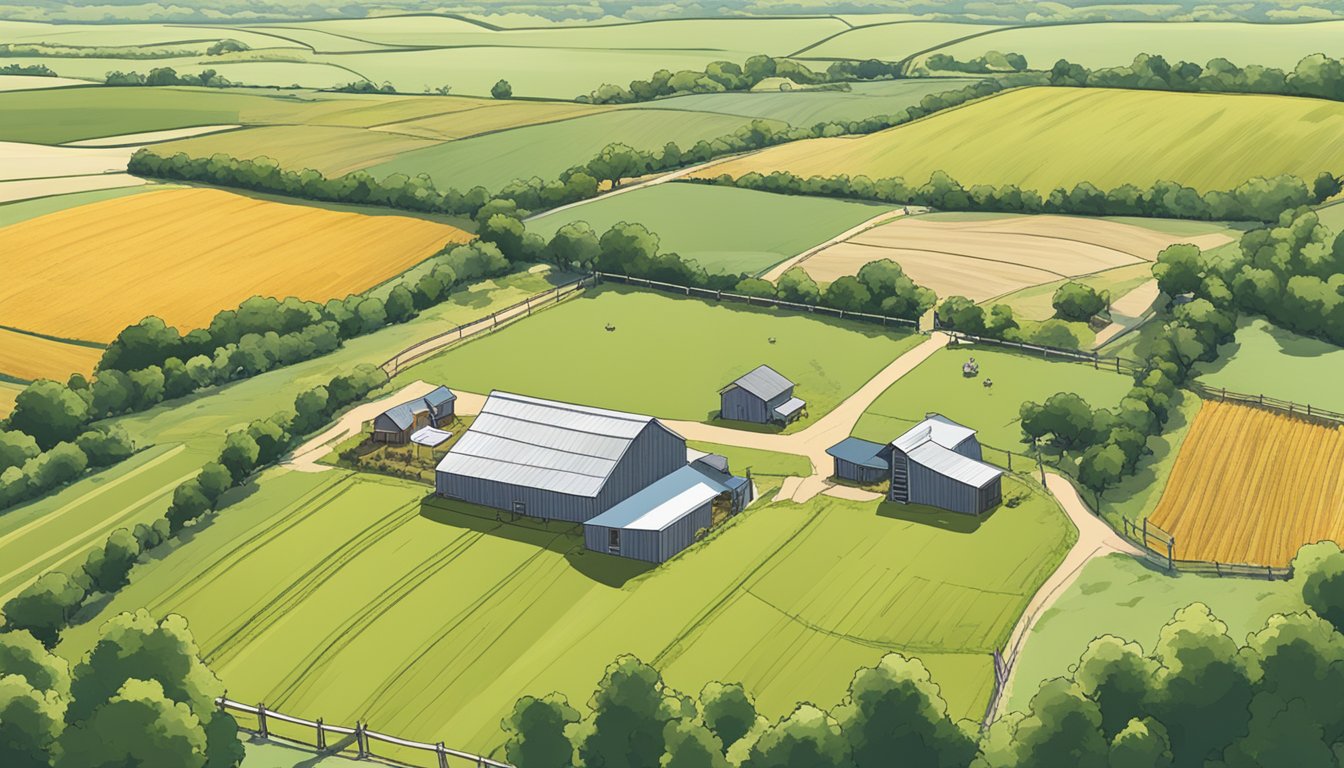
(937, 463)
(859, 460)
(645, 494)
(762, 396)
(396, 424)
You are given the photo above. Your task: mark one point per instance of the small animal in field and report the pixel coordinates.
(610, 327)
(987, 383)
(771, 339)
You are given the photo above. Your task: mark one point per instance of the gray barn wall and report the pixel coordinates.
(653, 546)
(969, 447)
(848, 470)
(935, 490)
(740, 405)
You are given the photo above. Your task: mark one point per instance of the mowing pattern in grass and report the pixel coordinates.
(666, 356)
(1266, 359)
(1042, 138)
(1120, 596)
(724, 229)
(346, 594)
(938, 386)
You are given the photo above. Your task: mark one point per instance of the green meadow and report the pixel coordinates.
(1264, 359)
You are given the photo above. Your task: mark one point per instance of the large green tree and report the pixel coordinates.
(807, 738)
(629, 713)
(894, 708)
(536, 732)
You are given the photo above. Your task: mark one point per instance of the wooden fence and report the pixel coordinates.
(364, 738)
(1160, 548)
(485, 324)
(1301, 410)
(1120, 364)
(758, 301)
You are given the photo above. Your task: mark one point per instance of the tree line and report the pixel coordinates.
(1316, 76)
(991, 62)
(725, 76)
(1257, 199)
(49, 605)
(999, 322)
(163, 76)
(28, 470)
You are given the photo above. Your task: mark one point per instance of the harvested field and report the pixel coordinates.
(29, 189)
(1252, 486)
(35, 82)
(36, 161)
(8, 391)
(946, 273)
(29, 357)
(332, 150)
(151, 137)
(486, 117)
(206, 250)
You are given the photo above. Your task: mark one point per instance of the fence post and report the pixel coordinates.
(442, 753)
(1010, 460)
(1171, 562)
(321, 735)
(361, 741)
(261, 721)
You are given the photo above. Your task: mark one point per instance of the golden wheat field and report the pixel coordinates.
(30, 357)
(185, 254)
(1252, 486)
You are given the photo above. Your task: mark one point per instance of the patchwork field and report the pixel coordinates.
(332, 150)
(1116, 43)
(724, 229)
(1035, 303)
(667, 356)
(808, 107)
(938, 386)
(1252, 486)
(1043, 138)
(206, 250)
(985, 256)
(429, 618)
(1265, 359)
(892, 41)
(28, 357)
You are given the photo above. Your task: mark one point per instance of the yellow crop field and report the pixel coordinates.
(25, 356)
(8, 392)
(185, 254)
(1252, 486)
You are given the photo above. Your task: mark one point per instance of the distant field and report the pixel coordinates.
(331, 150)
(1115, 43)
(1266, 359)
(938, 386)
(13, 213)
(667, 357)
(8, 391)
(206, 250)
(1120, 596)
(127, 35)
(489, 116)
(808, 107)
(892, 41)
(724, 229)
(29, 357)
(429, 619)
(1252, 486)
(546, 150)
(985, 256)
(1035, 303)
(35, 82)
(1042, 138)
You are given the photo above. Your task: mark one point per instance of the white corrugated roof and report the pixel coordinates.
(789, 407)
(662, 503)
(430, 437)
(949, 463)
(939, 429)
(764, 382)
(543, 444)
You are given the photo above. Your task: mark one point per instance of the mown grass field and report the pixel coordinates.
(808, 107)
(668, 356)
(150, 254)
(892, 41)
(1252, 486)
(1264, 359)
(332, 150)
(937, 385)
(1120, 596)
(29, 357)
(176, 438)
(1116, 43)
(353, 596)
(1043, 138)
(545, 151)
(724, 229)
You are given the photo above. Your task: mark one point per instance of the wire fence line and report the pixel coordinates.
(1302, 410)
(1159, 547)
(364, 738)
(1120, 364)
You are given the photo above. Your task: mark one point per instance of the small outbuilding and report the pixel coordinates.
(859, 460)
(762, 396)
(398, 423)
(938, 463)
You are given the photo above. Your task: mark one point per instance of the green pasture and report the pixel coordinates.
(1118, 595)
(808, 107)
(1264, 359)
(891, 41)
(724, 229)
(768, 463)
(126, 35)
(547, 150)
(937, 385)
(354, 596)
(1110, 44)
(668, 356)
(176, 438)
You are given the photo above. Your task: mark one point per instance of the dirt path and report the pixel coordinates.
(1127, 311)
(1095, 539)
(782, 267)
(663, 179)
(304, 458)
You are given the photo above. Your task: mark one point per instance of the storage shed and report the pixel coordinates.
(396, 424)
(937, 463)
(762, 396)
(859, 460)
(664, 518)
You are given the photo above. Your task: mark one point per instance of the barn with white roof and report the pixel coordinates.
(938, 463)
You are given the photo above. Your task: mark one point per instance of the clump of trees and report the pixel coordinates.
(1257, 199)
(47, 606)
(161, 76)
(723, 76)
(227, 45)
(1079, 301)
(366, 86)
(990, 63)
(501, 90)
(959, 313)
(141, 696)
(30, 468)
(1317, 75)
(881, 287)
(32, 70)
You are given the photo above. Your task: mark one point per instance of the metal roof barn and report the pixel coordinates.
(937, 463)
(432, 410)
(761, 396)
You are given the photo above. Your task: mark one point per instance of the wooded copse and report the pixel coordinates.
(724, 76)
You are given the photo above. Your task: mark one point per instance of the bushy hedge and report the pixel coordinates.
(880, 287)
(724, 76)
(28, 470)
(1317, 76)
(162, 76)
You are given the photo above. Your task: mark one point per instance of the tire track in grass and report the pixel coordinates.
(219, 651)
(296, 681)
(251, 542)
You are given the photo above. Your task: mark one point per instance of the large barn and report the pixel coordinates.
(761, 396)
(938, 463)
(558, 461)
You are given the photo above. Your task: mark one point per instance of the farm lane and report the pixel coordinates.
(649, 182)
(1095, 539)
(304, 458)
(1129, 309)
(779, 269)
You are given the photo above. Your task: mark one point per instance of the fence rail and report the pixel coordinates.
(1121, 364)
(490, 322)
(1304, 410)
(758, 301)
(364, 737)
(1164, 554)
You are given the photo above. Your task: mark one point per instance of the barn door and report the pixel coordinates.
(614, 541)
